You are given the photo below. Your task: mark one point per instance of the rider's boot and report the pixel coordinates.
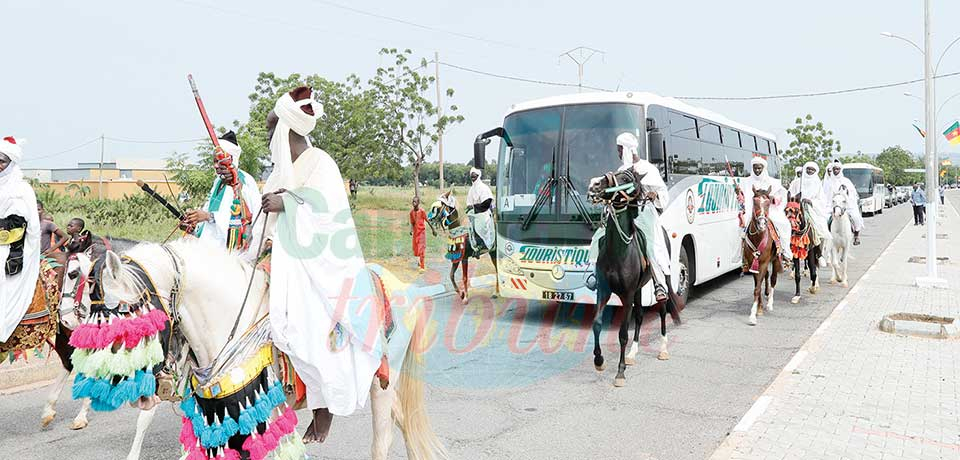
(660, 292)
(856, 238)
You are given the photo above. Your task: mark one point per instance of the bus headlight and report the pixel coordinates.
(507, 265)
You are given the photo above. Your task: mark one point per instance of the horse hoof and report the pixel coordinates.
(814, 289)
(752, 321)
(845, 284)
(600, 368)
(663, 356)
(759, 312)
(796, 299)
(78, 425)
(630, 361)
(46, 420)
(620, 382)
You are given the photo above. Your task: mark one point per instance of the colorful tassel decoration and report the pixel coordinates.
(187, 438)
(246, 421)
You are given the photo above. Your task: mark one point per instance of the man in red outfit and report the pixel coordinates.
(418, 224)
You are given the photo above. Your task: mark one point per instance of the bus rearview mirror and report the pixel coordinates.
(655, 141)
(480, 153)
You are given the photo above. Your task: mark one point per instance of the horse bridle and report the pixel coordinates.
(626, 200)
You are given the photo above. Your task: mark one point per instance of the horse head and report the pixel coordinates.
(761, 206)
(617, 188)
(443, 213)
(839, 204)
(75, 297)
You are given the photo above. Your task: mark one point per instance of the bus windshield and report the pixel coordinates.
(862, 179)
(588, 134)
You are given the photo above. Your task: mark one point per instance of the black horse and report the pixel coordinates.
(802, 244)
(622, 267)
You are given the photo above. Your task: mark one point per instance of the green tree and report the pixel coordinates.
(194, 177)
(893, 160)
(353, 130)
(414, 122)
(811, 142)
(859, 157)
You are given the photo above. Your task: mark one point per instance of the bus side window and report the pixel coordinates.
(684, 156)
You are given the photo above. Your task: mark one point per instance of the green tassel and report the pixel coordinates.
(97, 363)
(78, 358)
(154, 353)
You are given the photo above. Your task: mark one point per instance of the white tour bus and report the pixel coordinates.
(868, 180)
(562, 142)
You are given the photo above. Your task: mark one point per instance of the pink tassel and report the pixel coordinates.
(187, 438)
(269, 439)
(286, 423)
(197, 453)
(84, 336)
(230, 454)
(255, 447)
(159, 319)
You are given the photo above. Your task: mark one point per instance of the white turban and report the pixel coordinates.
(291, 117)
(11, 147)
(630, 144)
(476, 171)
(810, 164)
(798, 169)
(836, 164)
(232, 149)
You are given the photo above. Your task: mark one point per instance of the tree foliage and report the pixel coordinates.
(413, 121)
(811, 142)
(893, 160)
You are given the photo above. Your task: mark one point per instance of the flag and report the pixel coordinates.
(953, 133)
(922, 132)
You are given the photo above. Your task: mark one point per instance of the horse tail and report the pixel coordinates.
(421, 441)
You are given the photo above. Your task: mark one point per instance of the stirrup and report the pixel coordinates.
(660, 293)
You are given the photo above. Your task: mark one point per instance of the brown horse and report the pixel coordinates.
(759, 252)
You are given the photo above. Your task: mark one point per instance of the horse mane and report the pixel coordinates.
(191, 252)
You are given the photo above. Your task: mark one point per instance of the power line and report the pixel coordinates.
(62, 151)
(526, 80)
(426, 27)
(142, 141)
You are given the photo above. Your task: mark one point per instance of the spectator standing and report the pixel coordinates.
(919, 201)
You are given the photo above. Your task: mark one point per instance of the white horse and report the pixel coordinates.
(207, 314)
(71, 313)
(842, 239)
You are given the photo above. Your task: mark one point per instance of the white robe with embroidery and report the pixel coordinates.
(16, 292)
(777, 206)
(482, 222)
(321, 306)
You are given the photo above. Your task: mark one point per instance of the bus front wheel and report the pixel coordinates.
(685, 283)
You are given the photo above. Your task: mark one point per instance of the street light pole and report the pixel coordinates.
(932, 279)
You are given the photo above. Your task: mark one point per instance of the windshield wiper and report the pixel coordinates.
(542, 195)
(578, 202)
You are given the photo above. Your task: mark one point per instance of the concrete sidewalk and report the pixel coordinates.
(854, 392)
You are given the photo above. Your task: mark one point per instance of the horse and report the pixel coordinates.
(444, 215)
(759, 252)
(802, 236)
(74, 305)
(842, 238)
(622, 268)
(182, 268)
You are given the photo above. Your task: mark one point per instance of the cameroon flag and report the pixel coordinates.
(953, 133)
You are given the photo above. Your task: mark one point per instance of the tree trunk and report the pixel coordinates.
(416, 177)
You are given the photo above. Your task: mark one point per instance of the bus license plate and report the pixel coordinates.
(557, 295)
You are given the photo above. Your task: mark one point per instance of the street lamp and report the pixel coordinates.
(932, 279)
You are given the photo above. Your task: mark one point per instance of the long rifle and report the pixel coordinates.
(736, 188)
(238, 235)
(173, 209)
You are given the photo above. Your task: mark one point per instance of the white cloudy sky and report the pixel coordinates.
(73, 70)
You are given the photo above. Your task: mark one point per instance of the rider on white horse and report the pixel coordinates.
(659, 195)
(19, 239)
(479, 203)
(320, 289)
(760, 179)
(836, 183)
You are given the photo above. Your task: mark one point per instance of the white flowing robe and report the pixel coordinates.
(651, 181)
(216, 234)
(834, 185)
(777, 206)
(483, 221)
(321, 296)
(16, 292)
(811, 189)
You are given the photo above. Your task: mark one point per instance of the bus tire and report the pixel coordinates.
(687, 272)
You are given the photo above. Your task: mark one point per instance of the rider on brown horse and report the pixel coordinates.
(760, 179)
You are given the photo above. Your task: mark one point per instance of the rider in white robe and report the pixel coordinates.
(212, 221)
(795, 183)
(320, 291)
(18, 208)
(652, 183)
(479, 201)
(836, 183)
(760, 179)
(811, 194)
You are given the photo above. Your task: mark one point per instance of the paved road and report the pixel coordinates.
(489, 399)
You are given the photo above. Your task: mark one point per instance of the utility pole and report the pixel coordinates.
(436, 62)
(580, 55)
(933, 200)
(100, 189)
